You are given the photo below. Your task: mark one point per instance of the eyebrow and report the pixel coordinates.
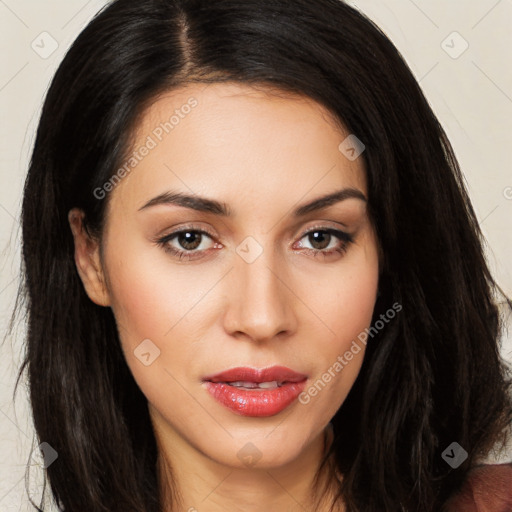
(203, 204)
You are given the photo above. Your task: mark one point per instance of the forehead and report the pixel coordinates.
(237, 143)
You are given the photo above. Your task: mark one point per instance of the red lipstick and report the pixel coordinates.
(258, 393)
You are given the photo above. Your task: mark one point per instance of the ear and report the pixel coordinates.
(88, 261)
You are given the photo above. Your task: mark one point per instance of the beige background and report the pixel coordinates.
(470, 91)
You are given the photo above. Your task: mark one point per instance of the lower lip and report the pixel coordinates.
(258, 402)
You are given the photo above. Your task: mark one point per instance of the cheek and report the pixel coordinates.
(354, 299)
(344, 299)
(345, 308)
(151, 301)
(149, 294)
(140, 301)
(151, 315)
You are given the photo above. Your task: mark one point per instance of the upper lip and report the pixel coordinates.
(246, 374)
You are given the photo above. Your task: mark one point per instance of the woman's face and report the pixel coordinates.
(270, 284)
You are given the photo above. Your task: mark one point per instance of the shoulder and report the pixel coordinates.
(488, 488)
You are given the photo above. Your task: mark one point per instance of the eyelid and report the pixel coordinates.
(188, 227)
(320, 225)
(326, 224)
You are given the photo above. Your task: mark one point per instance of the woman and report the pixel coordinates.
(255, 279)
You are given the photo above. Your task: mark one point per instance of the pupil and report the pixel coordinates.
(322, 238)
(186, 240)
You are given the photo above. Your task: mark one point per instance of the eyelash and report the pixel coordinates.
(345, 238)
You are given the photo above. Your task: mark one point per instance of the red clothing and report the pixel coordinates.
(487, 489)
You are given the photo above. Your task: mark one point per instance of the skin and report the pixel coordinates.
(263, 154)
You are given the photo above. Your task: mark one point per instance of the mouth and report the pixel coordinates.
(256, 392)
(255, 385)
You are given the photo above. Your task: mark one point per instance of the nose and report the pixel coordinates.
(260, 301)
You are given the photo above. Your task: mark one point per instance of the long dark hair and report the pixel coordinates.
(430, 377)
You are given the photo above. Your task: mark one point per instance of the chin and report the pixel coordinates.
(257, 451)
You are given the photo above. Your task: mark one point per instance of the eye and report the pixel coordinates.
(323, 238)
(190, 243)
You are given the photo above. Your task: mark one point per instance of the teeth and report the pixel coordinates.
(243, 384)
(269, 385)
(254, 385)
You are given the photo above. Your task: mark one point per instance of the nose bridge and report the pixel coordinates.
(261, 306)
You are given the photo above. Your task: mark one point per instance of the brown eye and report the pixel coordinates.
(185, 243)
(322, 238)
(319, 239)
(189, 240)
